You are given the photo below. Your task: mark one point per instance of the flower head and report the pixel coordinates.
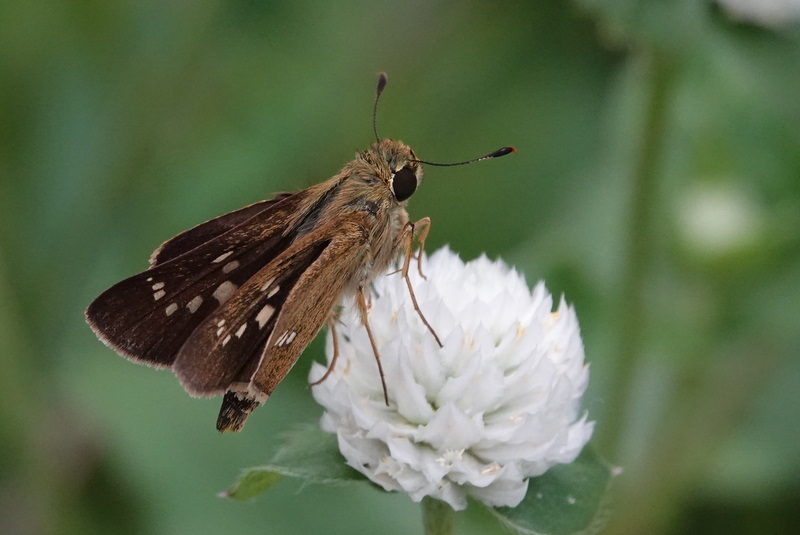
(498, 404)
(770, 13)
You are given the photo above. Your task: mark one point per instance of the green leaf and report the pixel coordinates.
(568, 499)
(252, 483)
(307, 453)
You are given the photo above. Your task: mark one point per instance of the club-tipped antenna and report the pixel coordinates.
(382, 80)
(495, 154)
(378, 90)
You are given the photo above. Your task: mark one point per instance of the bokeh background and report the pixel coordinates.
(657, 186)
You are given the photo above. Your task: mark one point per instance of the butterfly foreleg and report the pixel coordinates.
(406, 241)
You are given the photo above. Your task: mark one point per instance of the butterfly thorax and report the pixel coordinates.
(365, 185)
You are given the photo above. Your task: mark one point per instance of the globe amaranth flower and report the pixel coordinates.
(498, 404)
(771, 13)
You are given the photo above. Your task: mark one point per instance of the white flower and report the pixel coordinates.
(718, 220)
(498, 404)
(771, 13)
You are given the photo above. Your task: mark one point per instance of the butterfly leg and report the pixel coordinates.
(407, 236)
(332, 324)
(361, 302)
(424, 226)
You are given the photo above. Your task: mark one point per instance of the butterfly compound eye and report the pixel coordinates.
(404, 184)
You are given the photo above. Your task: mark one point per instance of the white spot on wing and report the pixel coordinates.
(240, 332)
(279, 341)
(149, 279)
(226, 340)
(273, 291)
(194, 304)
(267, 284)
(171, 309)
(286, 338)
(230, 266)
(158, 286)
(159, 294)
(221, 322)
(222, 257)
(224, 291)
(264, 315)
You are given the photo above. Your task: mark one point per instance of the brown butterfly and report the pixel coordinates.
(230, 304)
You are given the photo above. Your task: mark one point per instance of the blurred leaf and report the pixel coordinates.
(253, 482)
(307, 453)
(567, 499)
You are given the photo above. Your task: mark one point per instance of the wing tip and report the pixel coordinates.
(118, 343)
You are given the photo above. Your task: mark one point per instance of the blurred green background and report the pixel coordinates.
(657, 186)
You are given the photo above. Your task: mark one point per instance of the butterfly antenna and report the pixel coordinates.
(381, 85)
(495, 154)
(382, 80)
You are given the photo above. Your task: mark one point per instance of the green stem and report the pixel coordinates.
(657, 79)
(437, 517)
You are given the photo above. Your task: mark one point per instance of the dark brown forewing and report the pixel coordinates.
(294, 293)
(149, 316)
(235, 334)
(196, 236)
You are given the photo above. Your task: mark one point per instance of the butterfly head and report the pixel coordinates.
(397, 167)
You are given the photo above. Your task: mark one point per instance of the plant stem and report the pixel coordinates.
(657, 79)
(437, 517)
